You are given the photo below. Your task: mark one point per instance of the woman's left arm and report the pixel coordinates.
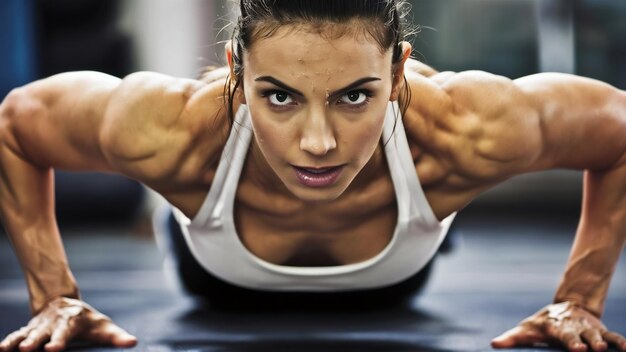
(583, 126)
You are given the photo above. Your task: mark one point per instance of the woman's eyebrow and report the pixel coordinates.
(278, 83)
(331, 96)
(351, 86)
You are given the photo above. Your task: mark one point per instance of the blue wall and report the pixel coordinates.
(17, 44)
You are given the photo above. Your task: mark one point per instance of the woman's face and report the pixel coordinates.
(317, 107)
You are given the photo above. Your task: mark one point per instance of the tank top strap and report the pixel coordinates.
(411, 198)
(228, 172)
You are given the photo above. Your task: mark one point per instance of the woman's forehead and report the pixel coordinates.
(301, 53)
(354, 32)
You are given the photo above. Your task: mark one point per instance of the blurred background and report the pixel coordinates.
(514, 38)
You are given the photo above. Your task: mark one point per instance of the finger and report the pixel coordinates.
(615, 339)
(13, 339)
(35, 339)
(594, 339)
(518, 336)
(111, 334)
(573, 342)
(60, 337)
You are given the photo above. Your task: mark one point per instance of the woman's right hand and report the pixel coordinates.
(63, 320)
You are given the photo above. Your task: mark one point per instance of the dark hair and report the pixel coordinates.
(384, 20)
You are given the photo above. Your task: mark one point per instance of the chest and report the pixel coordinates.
(355, 228)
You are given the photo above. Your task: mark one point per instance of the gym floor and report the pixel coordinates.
(503, 269)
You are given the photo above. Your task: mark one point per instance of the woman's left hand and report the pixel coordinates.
(565, 324)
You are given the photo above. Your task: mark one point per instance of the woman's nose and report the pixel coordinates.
(318, 137)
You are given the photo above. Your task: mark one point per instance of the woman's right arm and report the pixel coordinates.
(73, 121)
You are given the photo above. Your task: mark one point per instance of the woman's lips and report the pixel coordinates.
(317, 177)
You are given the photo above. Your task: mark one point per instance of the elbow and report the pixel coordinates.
(8, 112)
(18, 113)
(17, 105)
(8, 105)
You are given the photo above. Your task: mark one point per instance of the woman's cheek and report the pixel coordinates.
(273, 137)
(358, 140)
(372, 131)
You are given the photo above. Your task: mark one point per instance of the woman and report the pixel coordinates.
(307, 180)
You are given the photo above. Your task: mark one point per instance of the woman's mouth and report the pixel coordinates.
(316, 176)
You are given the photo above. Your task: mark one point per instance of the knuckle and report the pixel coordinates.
(592, 335)
(570, 338)
(62, 334)
(33, 323)
(33, 334)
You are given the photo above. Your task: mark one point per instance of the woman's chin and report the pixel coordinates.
(316, 194)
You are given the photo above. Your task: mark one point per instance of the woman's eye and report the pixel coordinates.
(280, 98)
(355, 97)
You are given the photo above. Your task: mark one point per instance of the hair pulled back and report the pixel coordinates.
(383, 20)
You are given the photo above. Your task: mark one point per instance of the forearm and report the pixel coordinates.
(600, 239)
(27, 211)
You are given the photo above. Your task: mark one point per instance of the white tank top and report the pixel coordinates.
(212, 237)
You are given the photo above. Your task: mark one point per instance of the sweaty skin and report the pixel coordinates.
(467, 131)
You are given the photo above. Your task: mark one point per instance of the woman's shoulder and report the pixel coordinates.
(157, 124)
(472, 121)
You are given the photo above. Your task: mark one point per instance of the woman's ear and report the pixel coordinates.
(228, 50)
(398, 71)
